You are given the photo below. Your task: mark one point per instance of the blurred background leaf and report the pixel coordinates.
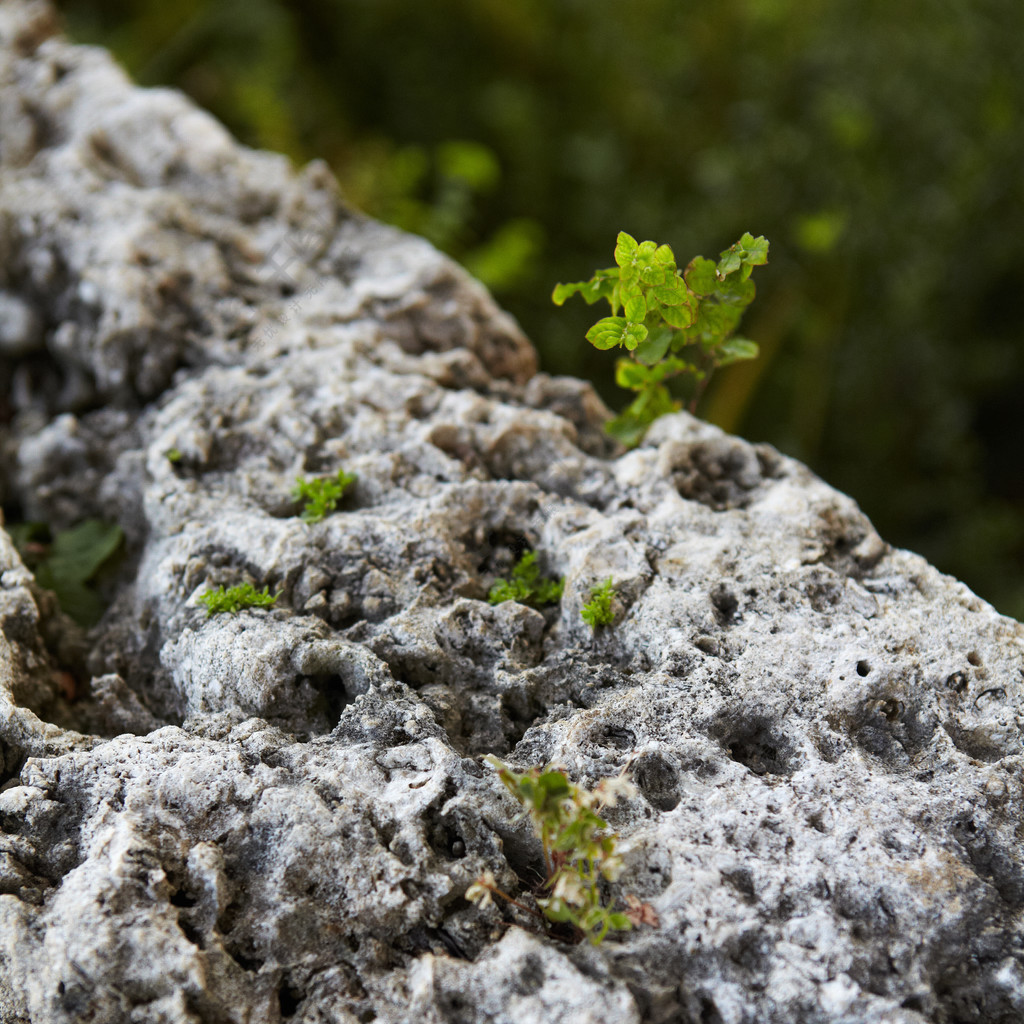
(878, 145)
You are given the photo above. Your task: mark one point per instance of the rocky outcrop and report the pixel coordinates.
(275, 815)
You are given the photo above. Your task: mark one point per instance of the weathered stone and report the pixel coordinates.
(275, 815)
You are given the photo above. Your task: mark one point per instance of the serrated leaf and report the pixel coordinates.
(634, 335)
(715, 322)
(597, 287)
(625, 249)
(631, 375)
(672, 292)
(610, 332)
(78, 553)
(736, 290)
(566, 291)
(76, 599)
(683, 315)
(756, 249)
(664, 256)
(736, 350)
(747, 253)
(635, 308)
(700, 276)
(654, 346)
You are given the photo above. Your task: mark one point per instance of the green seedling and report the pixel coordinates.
(69, 561)
(321, 494)
(173, 455)
(579, 851)
(676, 324)
(233, 599)
(598, 610)
(526, 585)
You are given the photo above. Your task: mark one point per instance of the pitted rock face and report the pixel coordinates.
(275, 815)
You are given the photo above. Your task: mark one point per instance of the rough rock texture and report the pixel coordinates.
(274, 816)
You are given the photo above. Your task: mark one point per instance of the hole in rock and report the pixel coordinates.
(658, 780)
(288, 1000)
(957, 682)
(725, 603)
(719, 473)
(616, 737)
(754, 744)
(504, 549)
(332, 699)
(863, 668)
(180, 898)
(190, 932)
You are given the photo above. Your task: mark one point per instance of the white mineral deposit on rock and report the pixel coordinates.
(275, 815)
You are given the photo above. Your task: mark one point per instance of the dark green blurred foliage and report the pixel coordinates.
(879, 146)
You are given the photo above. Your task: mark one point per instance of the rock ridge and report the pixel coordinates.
(275, 815)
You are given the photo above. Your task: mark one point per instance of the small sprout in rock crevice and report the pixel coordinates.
(598, 610)
(173, 455)
(526, 585)
(233, 599)
(321, 494)
(579, 852)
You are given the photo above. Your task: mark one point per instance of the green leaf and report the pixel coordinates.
(683, 315)
(735, 350)
(631, 375)
(565, 291)
(599, 286)
(700, 276)
(78, 553)
(715, 322)
(756, 249)
(616, 330)
(664, 257)
(635, 308)
(76, 599)
(672, 292)
(625, 249)
(747, 253)
(620, 922)
(736, 291)
(653, 348)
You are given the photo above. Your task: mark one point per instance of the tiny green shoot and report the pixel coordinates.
(676, 324)
(245, 595)
(526, 585)
(173, 455)
(598, 610)
(321, 494)
(579, 851)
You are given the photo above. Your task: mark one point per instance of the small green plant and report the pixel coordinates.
(676, 324)
(173, 455)
(598, 610)
(69, 561)
(245, 595)
(321, 494)
(526, 585)
(579, 852)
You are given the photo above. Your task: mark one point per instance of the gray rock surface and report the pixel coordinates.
(275, 815)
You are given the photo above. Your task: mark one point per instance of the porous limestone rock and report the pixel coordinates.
(275, 815)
